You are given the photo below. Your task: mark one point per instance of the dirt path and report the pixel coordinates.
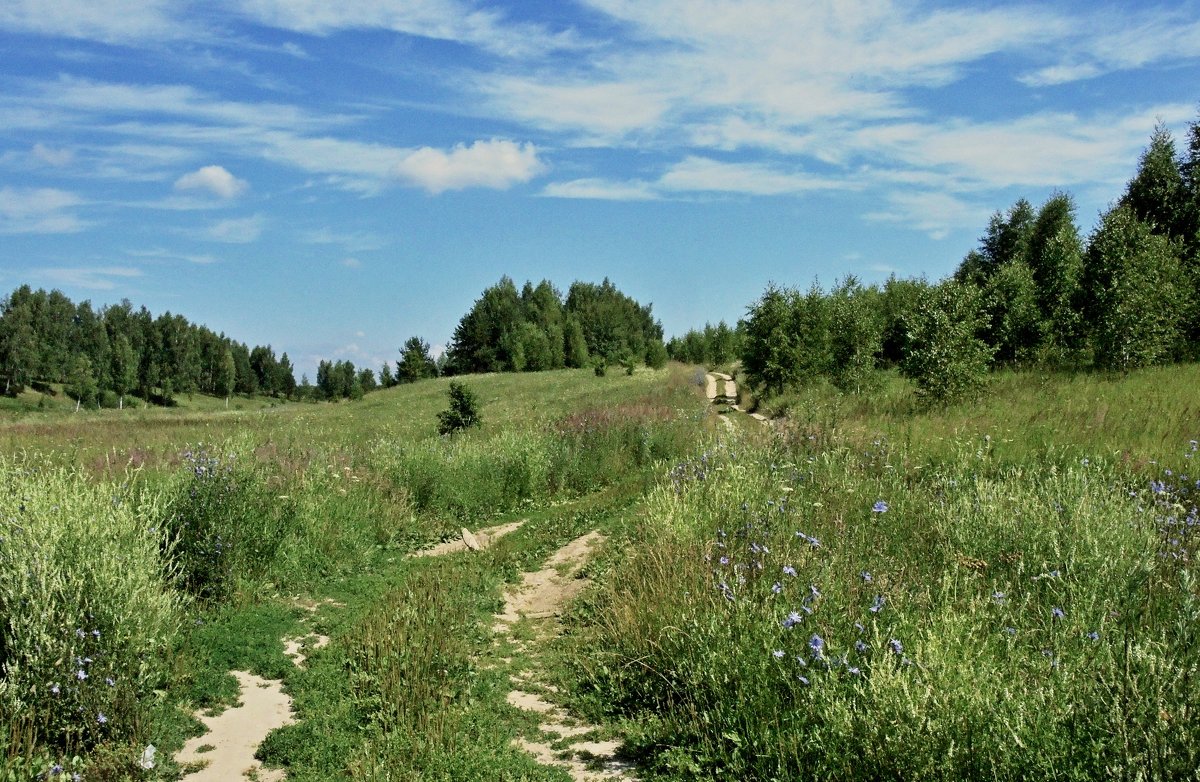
(729, 397)
(233, 735)
(539, 599)
(470, 541)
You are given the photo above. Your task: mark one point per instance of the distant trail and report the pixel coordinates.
(728, 397)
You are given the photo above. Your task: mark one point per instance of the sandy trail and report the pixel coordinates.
(469, 541)
(235, 733)
(541, 596)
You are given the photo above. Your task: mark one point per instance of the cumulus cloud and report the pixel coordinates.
(495, 164)
(238, 230)
(215, 179)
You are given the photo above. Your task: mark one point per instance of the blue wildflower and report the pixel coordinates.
(817, 644)
(778, 654)
(1093, 636)
(896, 646)
(877, 606)
(866, 577)
(788, 570)
(101, 719)
(1057, 613)
(860, 647)
(879, 507)
(777, 587)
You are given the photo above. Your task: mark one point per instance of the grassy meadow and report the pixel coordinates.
(866, 589)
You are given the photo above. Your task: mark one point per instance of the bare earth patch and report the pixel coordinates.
(235, 734)
(469, 541)
(541, 597)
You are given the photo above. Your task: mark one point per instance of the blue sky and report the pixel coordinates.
(334, 177)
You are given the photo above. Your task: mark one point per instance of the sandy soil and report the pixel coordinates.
(235, 733)
(469, 541)
(541, 596)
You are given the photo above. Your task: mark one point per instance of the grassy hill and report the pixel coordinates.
(864, 590)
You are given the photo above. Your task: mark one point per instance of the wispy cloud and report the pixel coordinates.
(237, 230)
(39, 211)
(110, 21)
(448, 20)
(101, 278)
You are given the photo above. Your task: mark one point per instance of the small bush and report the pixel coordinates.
(223, 524)
(463, 412)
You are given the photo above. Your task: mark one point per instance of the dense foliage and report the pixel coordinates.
(102, 356)
(1032, 293)
(535, 329)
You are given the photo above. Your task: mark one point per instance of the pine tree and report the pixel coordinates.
(415, 363)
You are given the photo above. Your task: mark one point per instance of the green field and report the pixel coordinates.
(866, 589)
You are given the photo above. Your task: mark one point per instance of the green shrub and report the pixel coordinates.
(223, 524)
(463, 412)
(87, 610)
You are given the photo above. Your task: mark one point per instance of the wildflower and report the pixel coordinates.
(54, 688)
(777, 587)
(109, 681)
(803, 680)
(792, 620)
(860, 647)
(56, 769)
(1057, 613)
(81, 674)
(813, 592)
(877, 606)
(95, 634)
(859, 627)
(866, 577)
(1093, 636)
(853, 671)
(999, 597)
(788, 570)
(817, 644)
(879, 507)
(778, 654)
(101, 719)
(896, 646)
(1010, 631)
(724, 560)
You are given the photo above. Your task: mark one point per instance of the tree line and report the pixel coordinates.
(1033, 292)
(102, 356)
(536, 329)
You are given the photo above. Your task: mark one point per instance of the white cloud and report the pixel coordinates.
(38, 211)
(602, 190)
(699, 174)
(111, 21)
(1104, 42)
(354, 241)
(351, 263)
(448, 20)
(238, 230)
(52, 157)
(215, 179)
(933, 213)
(495, 164)
(101, 278)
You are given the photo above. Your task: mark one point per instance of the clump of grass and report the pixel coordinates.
(88, 610)
(224, 523)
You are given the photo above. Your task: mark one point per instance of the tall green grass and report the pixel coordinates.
(803, 609)
(88, 613)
